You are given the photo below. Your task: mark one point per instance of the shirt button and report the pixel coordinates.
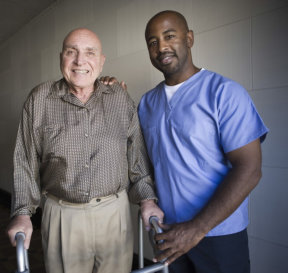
(86, 165)
(86, 135)
(86, 193)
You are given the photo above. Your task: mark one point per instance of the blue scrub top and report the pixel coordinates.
(187, 139)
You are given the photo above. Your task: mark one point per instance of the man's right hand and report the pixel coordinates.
(107, 80)
(20, 223)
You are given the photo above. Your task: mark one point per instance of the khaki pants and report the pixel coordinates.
(93, 237)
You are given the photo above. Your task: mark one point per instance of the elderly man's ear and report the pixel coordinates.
(107, 80)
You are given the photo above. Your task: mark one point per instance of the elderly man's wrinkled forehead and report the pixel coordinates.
(173, 17)
(84, 35)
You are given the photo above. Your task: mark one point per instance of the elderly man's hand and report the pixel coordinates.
(149, 208)
(107, 80)
(20, 223)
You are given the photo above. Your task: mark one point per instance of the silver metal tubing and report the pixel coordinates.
(154, 222)
(140, 237)
(155, 230)
(152, 268)
(21, 252)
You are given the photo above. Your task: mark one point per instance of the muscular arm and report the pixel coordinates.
(240, 181)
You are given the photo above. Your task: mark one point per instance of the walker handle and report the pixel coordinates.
(160, 266)
(21, 253)
(154, 222)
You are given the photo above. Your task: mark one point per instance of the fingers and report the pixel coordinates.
(167, 252)
(168, 257)
(149, 208)
(170, 248)
(21, 223)
(11, 236)
(172, 258)
(28, 235)
(123, 85)
(146, 223)
(27, 239)
(177, 240)
(11, 232)
(102, 79)
(164, 226)
(107, 80)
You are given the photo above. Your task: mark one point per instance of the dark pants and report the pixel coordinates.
(217, 254)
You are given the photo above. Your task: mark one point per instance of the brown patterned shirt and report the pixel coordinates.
(78, 151)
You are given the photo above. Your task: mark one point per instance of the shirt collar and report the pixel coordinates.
(60, 89)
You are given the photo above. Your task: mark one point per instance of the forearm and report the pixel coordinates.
(234, 188)
(142, 190)
(26, 192)
(181, 237)
(140, 169)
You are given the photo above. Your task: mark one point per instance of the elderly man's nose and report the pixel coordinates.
(80, 58)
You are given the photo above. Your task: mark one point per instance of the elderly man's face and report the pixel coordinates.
(81, 59)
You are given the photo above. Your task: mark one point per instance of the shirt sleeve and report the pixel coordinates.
(239, 120)
(141, 181)
(26, 193)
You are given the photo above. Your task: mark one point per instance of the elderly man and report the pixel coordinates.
(79, 149)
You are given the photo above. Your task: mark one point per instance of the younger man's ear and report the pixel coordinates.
(190, 38)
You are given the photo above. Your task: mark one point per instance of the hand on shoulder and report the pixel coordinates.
(107, 80)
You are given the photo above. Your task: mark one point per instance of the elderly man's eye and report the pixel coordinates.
(69, 52)
(91, 53)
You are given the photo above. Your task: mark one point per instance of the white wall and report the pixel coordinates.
(246, 40)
